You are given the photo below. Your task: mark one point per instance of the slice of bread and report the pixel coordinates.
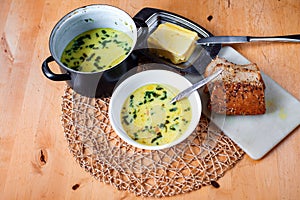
(238, 90)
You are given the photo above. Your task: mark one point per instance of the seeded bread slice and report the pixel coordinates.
(238, 90)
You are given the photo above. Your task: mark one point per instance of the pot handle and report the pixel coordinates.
(144, 14)
(52, 76)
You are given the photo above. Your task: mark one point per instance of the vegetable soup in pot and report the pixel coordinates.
(97, 50)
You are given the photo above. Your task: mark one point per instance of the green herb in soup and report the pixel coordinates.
(96, 50)
(149, 118)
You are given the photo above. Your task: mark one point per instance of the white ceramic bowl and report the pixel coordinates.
(138, 80)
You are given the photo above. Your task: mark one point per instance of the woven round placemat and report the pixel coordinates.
(198, 161)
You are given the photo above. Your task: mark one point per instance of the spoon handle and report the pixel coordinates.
(190, 90)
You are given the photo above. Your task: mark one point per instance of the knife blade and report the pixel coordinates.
(244, 39)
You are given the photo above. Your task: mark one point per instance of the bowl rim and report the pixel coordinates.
(131, 84)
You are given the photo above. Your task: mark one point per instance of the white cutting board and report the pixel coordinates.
(258, 134)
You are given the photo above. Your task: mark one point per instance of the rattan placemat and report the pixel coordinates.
(198, 161)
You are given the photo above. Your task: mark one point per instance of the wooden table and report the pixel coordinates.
(35, 162)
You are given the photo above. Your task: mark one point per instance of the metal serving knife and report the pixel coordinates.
(190, 90)
(243, 39)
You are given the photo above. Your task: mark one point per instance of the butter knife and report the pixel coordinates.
(243, 39)
(190, 90)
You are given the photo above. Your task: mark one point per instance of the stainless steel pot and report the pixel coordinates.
(91, 84)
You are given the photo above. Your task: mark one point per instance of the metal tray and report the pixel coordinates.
(148, 19)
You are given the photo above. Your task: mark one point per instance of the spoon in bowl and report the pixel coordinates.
(190, 90)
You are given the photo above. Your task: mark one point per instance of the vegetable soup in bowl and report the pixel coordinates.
(141, 114)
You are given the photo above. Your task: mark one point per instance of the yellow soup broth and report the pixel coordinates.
(149, 118)
(96, 50)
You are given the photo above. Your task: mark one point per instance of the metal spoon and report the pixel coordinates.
(190, 90)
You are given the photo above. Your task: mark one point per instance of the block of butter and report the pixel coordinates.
(172, 42)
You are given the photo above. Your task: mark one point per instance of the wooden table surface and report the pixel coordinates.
(35, 162)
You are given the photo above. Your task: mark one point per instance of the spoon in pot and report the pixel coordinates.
(190, 90)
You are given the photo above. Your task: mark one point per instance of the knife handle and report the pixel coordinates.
(284, 38)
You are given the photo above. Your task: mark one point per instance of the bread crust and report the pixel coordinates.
(238, 90)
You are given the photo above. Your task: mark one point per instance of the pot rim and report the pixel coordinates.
(80, 10)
